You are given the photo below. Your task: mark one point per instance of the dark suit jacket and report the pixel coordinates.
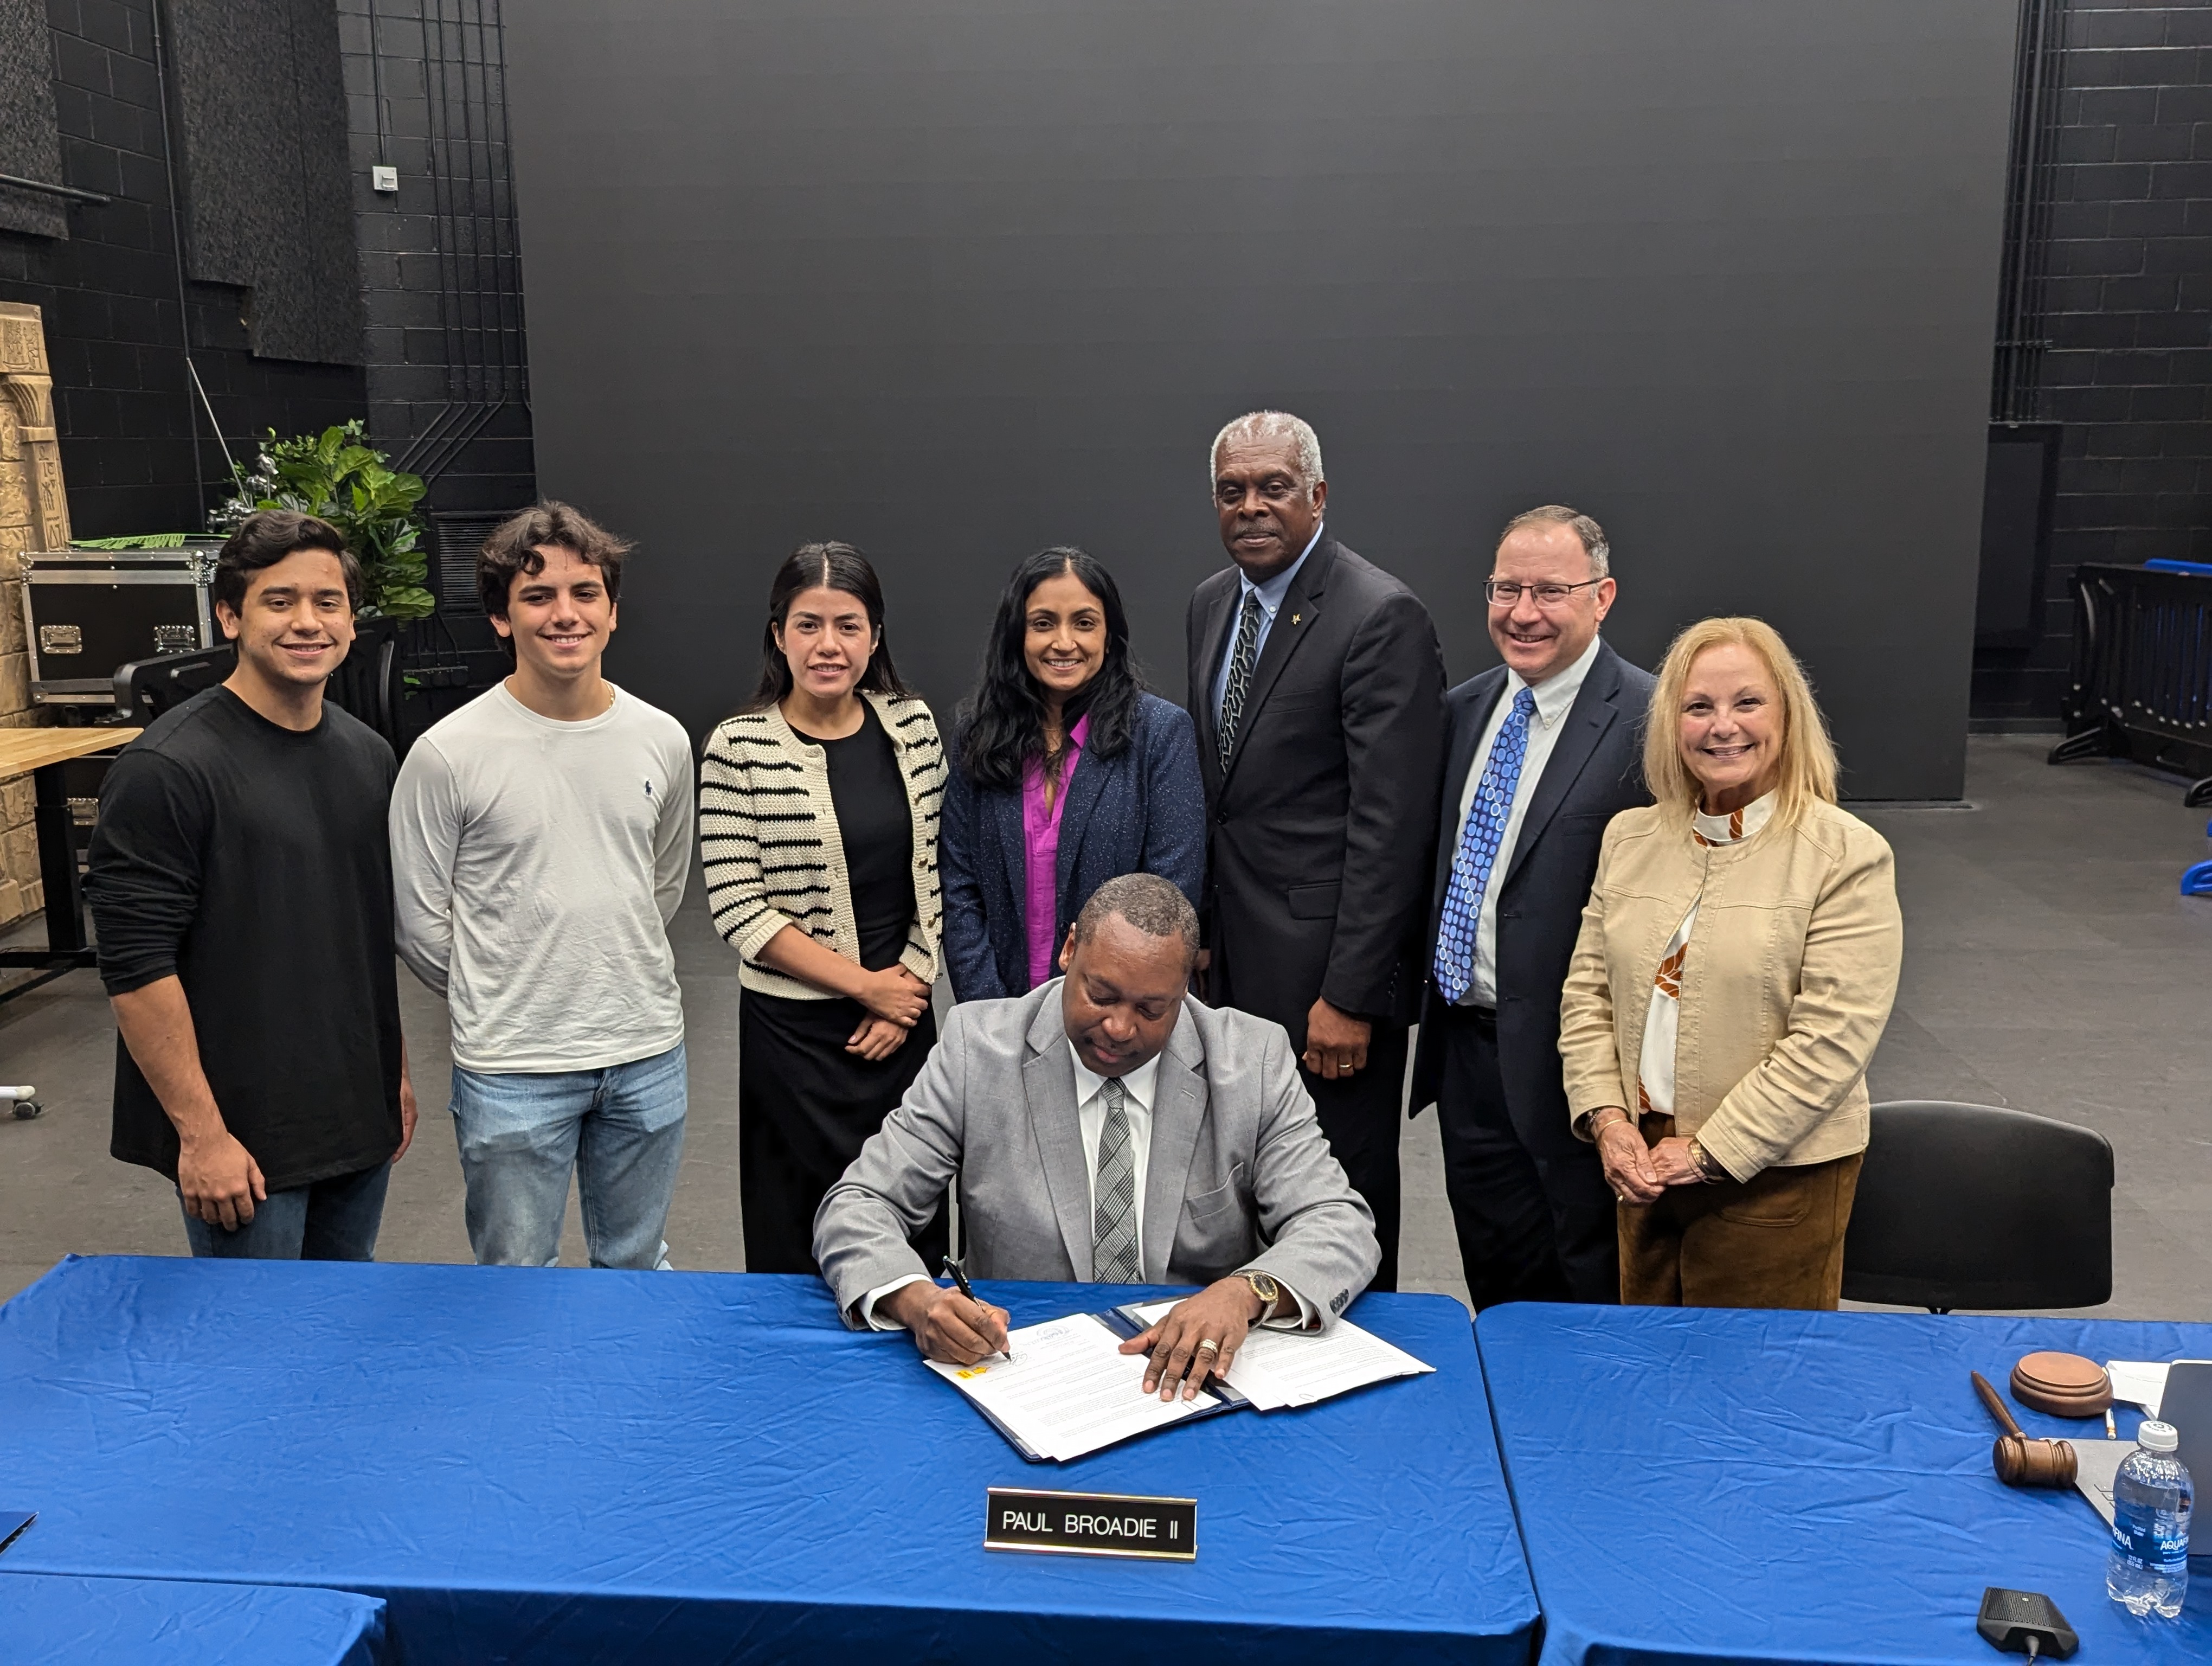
(1142, 812)
(1320, 833)
(1595, 771)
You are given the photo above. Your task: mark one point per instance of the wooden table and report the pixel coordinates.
(40, 753)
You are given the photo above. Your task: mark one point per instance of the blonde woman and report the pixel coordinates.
(1735, 968)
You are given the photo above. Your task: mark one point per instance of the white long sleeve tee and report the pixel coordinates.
(535, 864)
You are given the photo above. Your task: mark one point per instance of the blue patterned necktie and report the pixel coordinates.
(1240, 675)
(1478, 850)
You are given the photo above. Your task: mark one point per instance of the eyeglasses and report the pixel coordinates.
(1504, 592)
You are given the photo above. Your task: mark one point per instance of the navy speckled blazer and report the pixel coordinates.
(1142, 812)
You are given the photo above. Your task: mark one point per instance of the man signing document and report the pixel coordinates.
(1106, 1127)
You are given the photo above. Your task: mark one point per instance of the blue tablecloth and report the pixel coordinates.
(552, 1466)
(51, 1620)
(1704, 1485)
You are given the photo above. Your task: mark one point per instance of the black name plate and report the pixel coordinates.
(1092, 1524)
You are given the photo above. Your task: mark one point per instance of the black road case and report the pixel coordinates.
(87, 611)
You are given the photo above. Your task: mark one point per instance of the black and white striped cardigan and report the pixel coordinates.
(767, 832)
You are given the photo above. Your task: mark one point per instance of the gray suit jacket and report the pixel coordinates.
(1239, 1173)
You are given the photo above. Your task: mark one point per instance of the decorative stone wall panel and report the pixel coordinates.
(33, 515)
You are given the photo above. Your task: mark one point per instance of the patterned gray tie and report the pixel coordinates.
(1240, 674)
(1113, 1217)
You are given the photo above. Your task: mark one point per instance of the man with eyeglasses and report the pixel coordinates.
(1539, 754)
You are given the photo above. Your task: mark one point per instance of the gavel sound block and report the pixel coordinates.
(2062, 1384)
(2020, 1460)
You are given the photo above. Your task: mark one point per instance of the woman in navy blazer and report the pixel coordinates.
(1065, 773)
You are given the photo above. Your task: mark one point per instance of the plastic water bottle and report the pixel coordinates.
(2149, 1568)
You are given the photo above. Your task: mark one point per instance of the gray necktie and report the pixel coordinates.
(1240, 673)
(1113, 1217)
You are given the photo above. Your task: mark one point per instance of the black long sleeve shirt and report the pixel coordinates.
(253, 862)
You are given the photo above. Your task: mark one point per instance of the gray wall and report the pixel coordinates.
(957, 279)
(30, 133)
(260, 133)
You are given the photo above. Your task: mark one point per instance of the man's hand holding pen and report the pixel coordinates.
(954, 1326)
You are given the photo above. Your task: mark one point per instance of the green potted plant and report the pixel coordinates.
(338, 477)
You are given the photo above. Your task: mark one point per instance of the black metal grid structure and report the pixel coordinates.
(456, 536)
(477, 245)
(2015, 390)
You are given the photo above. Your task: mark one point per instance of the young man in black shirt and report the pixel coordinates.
(240, 881)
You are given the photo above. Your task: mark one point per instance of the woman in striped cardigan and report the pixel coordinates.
(818, 809)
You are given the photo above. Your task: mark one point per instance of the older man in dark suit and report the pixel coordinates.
(1317, 687)
(1541, 753)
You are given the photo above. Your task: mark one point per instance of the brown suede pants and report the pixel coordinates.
(1776, 1240)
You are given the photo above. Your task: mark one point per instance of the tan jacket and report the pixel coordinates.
(1791, 969)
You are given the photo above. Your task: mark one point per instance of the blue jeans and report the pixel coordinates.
(621, 1128)
(333, 1219)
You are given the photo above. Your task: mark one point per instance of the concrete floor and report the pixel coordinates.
(2050, 964)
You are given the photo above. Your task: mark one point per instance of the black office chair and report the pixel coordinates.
(369, 685)
(1972, 1206)
(145, 688)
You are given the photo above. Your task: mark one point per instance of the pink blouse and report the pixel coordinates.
(1040, 837)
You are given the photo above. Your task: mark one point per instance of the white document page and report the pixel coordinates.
(1069, 1389)
(2138, 1382)
(1276, 1369)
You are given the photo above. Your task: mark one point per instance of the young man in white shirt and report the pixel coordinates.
(540, 838)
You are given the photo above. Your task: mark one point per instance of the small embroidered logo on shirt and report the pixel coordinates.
(649, 789)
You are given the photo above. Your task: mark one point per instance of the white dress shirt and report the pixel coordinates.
(1271, 594)
(1138, 1089)
(1662, 1019)
(1555, 697)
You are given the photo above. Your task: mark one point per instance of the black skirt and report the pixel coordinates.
(806, 1107)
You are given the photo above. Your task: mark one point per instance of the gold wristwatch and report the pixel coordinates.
(1264, 1287)
(1707, 1165)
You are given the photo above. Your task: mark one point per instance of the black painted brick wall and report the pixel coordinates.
(110, 296)
(2129, 295)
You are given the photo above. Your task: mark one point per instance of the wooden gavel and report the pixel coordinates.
(2020, 1461)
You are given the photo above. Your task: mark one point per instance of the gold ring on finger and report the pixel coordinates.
(1209, 1348)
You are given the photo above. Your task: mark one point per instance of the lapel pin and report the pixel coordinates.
(1298, 619)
